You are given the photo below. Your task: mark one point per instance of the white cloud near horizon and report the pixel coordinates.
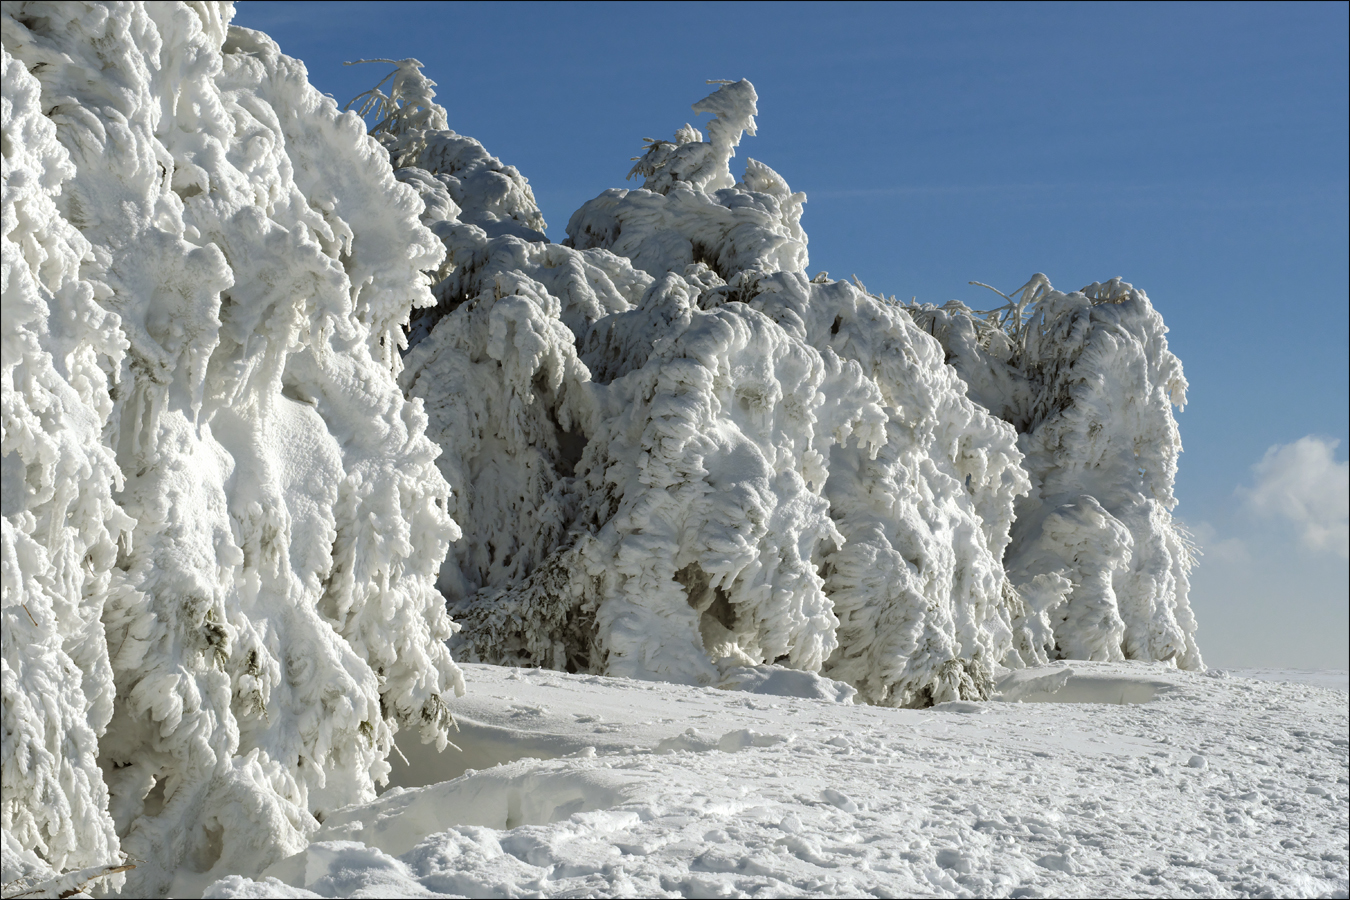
(1303, 484)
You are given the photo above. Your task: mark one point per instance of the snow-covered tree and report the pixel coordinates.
(673, 453)
(1088, 381)
(61, 526)
(222, 520)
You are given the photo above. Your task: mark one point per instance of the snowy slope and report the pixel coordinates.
(1194, 785)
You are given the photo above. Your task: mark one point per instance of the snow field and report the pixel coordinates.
(1216, 786)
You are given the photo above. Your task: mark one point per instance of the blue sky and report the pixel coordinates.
(1197, 150)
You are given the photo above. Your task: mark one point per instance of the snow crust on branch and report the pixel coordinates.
(222, 519)
(692, 210)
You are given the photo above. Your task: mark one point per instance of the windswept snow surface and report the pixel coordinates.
(1336, 679)
(1192, 786)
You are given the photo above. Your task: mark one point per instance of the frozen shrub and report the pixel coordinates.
(222, 520)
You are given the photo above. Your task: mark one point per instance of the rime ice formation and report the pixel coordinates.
(675, 455)
(1088, 381)
(681, 455)
(260, 368)
(222, 519)
(61, 527)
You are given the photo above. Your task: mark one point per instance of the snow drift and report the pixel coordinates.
(277, 390)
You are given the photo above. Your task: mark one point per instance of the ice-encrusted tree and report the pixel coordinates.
(1088, 381)
(673, 453)
(222, 519)
(61, 526)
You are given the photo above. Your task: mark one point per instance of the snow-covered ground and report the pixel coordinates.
(1130, 779)
(1338, 679)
